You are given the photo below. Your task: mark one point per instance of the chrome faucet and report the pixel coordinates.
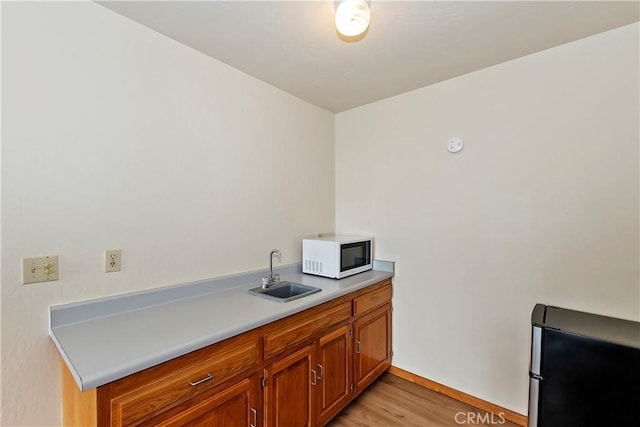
(272, 279)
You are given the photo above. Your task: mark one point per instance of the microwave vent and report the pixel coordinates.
(312, 266)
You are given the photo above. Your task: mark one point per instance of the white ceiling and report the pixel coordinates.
(293, 45)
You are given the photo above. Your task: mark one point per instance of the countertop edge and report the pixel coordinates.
(67, 361)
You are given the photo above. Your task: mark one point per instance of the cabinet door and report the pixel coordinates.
(288, 390)
(334, 372)
(234, 406)
(372, 353)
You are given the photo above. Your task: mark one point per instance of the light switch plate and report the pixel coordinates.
(41, 269)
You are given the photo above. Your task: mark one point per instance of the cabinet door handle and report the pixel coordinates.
(207, 378)
(314, 380)
(255, 417)
(321, 369)
(357, 347)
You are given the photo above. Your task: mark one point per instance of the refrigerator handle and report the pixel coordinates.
(536, 349)
(534, 395)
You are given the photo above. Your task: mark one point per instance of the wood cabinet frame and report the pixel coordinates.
(249, 367)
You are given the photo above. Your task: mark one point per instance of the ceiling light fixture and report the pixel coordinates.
(352, 17)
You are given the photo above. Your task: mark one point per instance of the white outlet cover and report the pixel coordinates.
(112, 260)
(455, 144)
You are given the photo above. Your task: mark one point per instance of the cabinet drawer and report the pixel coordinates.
(179, 380)
(371, 300)
(303, 327)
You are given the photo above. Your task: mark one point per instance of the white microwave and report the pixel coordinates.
(337, 256)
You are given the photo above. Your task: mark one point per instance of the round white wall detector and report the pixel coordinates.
(455, 144)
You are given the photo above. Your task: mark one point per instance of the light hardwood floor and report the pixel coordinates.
(395, 402)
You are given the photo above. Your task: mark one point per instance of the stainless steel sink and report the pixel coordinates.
(284, 291)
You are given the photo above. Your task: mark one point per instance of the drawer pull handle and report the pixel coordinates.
(376, 298)
(195, 383)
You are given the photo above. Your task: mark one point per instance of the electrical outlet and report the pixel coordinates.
(112, 260)
(41, 269)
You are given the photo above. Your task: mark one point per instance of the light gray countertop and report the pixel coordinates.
(106, 339)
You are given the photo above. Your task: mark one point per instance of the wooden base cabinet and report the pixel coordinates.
(312, 385)
(372, 354)
(333, 390)
(288, 394)
(299, 371)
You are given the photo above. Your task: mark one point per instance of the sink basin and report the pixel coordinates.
(285, 291)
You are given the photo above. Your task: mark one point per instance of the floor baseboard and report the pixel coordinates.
(512, 416)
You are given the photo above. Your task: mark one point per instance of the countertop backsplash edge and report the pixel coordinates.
(80, 311)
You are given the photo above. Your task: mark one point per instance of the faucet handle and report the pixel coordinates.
(268, 281)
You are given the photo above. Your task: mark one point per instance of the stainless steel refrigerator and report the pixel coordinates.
(585, 369)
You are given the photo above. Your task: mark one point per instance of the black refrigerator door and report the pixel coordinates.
(587, 382)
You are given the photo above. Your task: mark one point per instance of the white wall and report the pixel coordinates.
(540, 206)
(115, 136)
